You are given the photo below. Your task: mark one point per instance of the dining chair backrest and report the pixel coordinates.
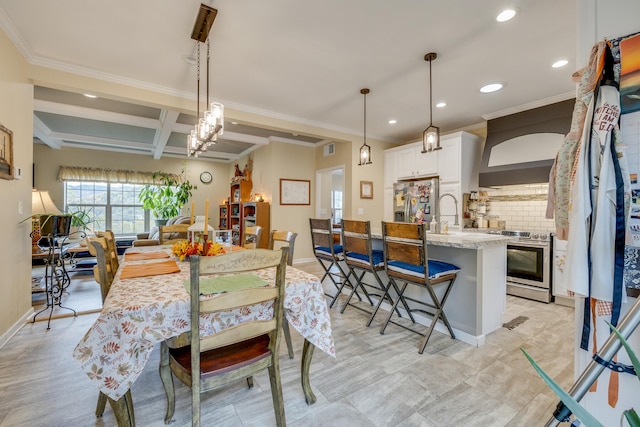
(102, 271)
(111, 248)
(241, 262)
(279, 238)
(170, 234)
(251, 236)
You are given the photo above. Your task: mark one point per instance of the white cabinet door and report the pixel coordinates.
(390, 174)
(449, 159)
(406, 163)
(412, 163)
(448, 205)
(426, 163)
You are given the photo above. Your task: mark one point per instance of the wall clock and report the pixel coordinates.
(206, 177)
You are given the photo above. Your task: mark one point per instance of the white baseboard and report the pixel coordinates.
(4, 338)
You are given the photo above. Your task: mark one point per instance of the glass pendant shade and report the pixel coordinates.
(431, 139)
(211, 125)
(365, 149)
(365, 155)
(431, 135)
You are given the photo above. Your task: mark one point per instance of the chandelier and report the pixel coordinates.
(431, 135)
(365, 149)
(211, 125)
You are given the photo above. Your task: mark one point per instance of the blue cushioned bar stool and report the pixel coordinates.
(361, 259)
(328, 254)
(406, 262)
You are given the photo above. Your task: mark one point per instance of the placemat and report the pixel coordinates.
(222, 284)
(140, 256)
(151, 269)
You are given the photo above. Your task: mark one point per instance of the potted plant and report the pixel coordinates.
(573, 405)
(80, 220)
(166, 198)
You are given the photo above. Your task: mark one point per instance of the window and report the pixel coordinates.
(110, 206)
(336, 206)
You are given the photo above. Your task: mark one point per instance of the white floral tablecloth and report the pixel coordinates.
(141, 312)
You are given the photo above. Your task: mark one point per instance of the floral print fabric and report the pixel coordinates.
(141, 312)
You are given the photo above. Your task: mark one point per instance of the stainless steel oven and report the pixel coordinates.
(529, 257)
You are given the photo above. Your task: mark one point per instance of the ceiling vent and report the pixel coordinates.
(329, 149)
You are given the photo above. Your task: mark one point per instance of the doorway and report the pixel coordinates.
(330, 194)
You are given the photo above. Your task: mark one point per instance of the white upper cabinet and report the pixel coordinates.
(459, 159)
(412, 163)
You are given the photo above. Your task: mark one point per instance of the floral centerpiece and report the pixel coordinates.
(184, 249)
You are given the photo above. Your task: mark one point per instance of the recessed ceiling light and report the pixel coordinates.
(506, 15)
(441, 104)
(393, 121)
(560, 63)
(234, 123)
(491, 87)
(189, 59)
(88, 95)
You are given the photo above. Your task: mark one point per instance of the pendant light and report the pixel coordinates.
(431, 135)
(209, 127)
(365, 150)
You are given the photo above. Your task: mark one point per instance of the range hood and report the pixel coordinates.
(520, 148)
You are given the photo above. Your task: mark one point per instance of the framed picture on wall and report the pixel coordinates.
(366, 189)
(6, 153)
(295, 191)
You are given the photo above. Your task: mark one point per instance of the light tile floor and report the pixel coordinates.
(376, 380)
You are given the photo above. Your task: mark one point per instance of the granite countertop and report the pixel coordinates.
(458, 239)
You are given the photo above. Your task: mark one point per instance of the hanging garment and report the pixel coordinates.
(566, 160)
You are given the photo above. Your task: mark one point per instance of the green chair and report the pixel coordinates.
(236, 353)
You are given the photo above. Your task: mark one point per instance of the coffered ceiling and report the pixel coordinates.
(301, 63)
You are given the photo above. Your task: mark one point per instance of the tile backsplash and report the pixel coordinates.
(523, 207)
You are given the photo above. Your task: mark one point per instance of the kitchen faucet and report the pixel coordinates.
(438, 215)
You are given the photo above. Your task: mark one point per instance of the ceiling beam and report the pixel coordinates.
(168, 120)
(93, 114)
(43, 133)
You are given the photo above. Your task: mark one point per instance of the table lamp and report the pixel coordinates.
(41, 205)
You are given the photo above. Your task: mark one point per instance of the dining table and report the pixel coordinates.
(148, 303)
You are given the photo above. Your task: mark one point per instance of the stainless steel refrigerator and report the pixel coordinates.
(415, 201)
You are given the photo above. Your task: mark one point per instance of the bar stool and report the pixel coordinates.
(328, 254)
(406, 261)
(361, 258)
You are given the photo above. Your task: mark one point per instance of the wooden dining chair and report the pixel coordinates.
(170, 234)
(103, 274)
(111, 248)
(238, 352)
(406, 261)
(278, 239)
(329, 255)
(361, 259)
(251, 237)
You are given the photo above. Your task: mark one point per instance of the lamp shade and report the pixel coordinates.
(41, 204)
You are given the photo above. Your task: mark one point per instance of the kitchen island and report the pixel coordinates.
(477, 301)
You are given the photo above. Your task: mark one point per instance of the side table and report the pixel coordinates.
(56, 279)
